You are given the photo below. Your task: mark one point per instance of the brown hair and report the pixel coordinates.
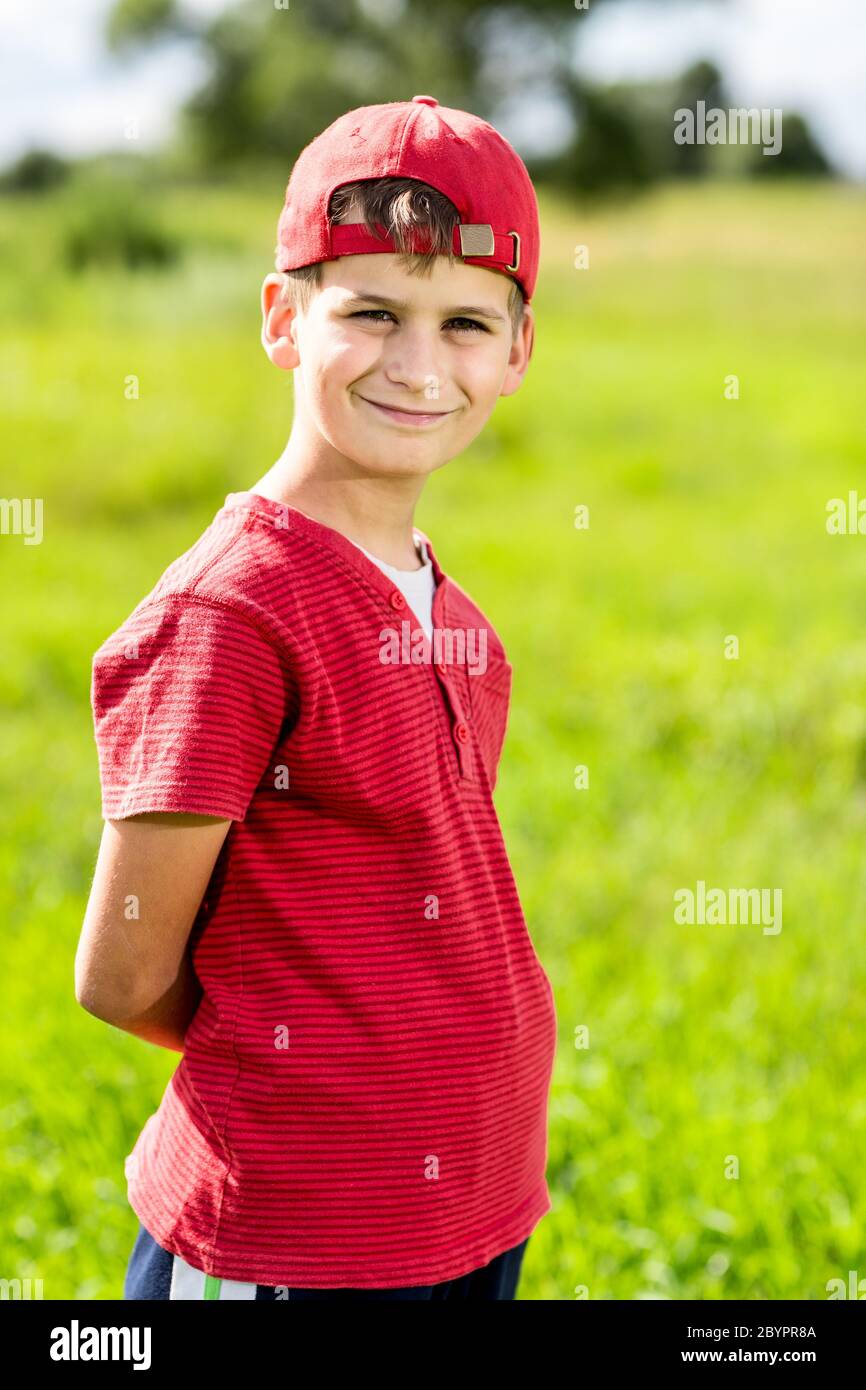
(403, 206)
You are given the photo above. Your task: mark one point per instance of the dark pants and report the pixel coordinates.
(148, 1276)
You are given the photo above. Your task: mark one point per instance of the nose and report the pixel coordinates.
(412, 358)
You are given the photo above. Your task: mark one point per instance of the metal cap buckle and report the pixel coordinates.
(476, 239)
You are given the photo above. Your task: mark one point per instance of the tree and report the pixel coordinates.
(279, 76)
(607, 152)
(800, 152)
(701, 82)
(36, 171)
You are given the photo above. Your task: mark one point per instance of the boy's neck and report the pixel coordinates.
(375, 513)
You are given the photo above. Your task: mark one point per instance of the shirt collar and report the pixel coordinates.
(317, 531)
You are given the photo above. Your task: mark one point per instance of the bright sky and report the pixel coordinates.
(59, 88)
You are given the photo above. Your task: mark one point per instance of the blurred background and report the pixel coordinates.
(697, 384)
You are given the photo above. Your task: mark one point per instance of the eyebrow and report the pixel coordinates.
(461, 310)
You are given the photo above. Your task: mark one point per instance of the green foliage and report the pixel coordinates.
(800, 153)
(36, 171)
(607, 153)
(635, 144)
(131, 23)
(278, 76)
(110, 221)
(706, 518)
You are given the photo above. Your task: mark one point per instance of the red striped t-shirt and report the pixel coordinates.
(362, 1099)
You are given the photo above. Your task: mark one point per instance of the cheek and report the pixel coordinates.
(483, 374)
(341, 363)
(338, 365)
(350, 351)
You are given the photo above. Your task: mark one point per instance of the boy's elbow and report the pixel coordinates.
(118, 1013)
(93, 1001)
(93, 994)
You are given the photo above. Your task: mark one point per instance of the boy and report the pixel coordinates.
(302, 884)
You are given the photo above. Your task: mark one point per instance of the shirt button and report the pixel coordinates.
(442, 669)
(461, 732)
(397, 600)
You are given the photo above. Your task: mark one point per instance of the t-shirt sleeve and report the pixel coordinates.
(188, 701)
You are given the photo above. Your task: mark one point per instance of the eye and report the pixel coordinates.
(470, 326)
(371, 314)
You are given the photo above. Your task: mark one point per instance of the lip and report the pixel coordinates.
(413, 418)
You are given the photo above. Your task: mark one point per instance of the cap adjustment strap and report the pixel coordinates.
(470, 239)
(479, 239)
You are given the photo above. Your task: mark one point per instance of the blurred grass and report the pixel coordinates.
(706, 519)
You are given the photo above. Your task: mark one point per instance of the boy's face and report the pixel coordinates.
(398, 372)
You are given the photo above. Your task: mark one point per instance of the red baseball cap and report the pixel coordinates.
(459, 154)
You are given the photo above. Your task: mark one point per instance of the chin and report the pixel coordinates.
(395, 462)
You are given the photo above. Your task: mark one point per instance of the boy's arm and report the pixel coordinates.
(165, 1022)
(132, 966)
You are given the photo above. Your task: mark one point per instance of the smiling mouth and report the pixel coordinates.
(408, 417)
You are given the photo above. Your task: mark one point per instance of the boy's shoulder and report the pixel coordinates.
(230, 564)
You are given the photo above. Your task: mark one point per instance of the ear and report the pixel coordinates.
(521, 351)
(278, 324)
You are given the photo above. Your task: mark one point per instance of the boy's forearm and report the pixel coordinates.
(166, 1021)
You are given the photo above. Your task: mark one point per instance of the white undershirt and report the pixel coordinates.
(417, 586)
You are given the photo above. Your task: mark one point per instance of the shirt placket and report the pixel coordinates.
(457, 712)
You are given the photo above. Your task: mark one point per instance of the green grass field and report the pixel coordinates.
(707, 519)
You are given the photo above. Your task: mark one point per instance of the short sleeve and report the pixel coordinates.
(188, 701)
